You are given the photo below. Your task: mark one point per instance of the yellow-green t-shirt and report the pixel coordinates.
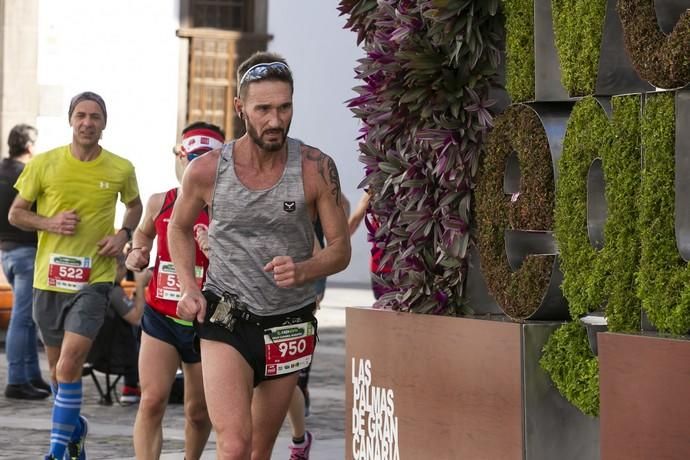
(58, 182)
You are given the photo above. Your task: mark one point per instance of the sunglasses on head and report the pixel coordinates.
(260, 71)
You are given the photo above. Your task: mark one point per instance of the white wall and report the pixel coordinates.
(322, 55)
(127, 52)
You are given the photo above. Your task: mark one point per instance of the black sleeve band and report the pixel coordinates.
(128, 231)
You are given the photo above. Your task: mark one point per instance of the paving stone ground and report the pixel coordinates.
(25, 425)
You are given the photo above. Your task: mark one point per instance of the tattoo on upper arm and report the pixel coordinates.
(330, 177)
(335, 180)
(317, 156)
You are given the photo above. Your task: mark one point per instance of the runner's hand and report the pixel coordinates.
(64, 223)
(201, 237)
(112, 245)
(192, 305)
(284, 271)
(137, 259)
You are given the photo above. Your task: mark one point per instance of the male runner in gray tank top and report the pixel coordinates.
(255, 315)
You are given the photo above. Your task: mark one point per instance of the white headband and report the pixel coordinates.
(199, 141)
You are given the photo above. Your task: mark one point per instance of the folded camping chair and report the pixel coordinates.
(114, 353)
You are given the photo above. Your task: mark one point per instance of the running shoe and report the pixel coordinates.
(130, 395)
(76, 450)
(301, 452)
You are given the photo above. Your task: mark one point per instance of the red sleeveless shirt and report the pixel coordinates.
(376, 253)
(164, 289)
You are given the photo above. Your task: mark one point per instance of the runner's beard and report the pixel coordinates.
(267, 146)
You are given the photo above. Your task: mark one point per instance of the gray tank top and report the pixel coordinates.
(250, 227)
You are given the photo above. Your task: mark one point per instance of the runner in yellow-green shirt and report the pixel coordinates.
(75, 188)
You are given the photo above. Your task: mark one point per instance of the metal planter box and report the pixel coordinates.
(420, 386)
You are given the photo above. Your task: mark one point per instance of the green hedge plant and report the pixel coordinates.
(588, 134)
(578, 28)
(595, 279)
(519, 49)
(572, 367)
(663, 60)
(591, 278)
(518, 130)
(664, 277)
(623, 176)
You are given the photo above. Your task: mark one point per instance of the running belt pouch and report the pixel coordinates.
(211, 303)
(222, 313)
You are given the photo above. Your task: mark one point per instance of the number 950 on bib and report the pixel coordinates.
(289, 348)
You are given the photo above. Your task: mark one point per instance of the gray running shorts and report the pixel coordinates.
(80, 313)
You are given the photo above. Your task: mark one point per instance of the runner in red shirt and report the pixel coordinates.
(166, 339)
(364, 210)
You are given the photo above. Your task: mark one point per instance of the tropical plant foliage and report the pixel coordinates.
(424, 106)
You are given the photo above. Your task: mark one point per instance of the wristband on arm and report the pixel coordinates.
(128, 231)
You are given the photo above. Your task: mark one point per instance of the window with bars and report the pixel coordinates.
(211, 81)
(220, 38)
(221, 14)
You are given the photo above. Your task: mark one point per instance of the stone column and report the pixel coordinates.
(18, 65)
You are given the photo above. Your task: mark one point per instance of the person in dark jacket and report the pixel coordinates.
(24, 380)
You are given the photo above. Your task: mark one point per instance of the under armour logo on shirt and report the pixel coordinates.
(289, 206)
(105, 185)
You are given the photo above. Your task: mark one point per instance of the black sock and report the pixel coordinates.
(299, 440)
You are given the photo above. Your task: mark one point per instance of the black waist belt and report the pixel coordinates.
(229, 309)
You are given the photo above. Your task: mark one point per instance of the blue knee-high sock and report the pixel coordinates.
(65, 416)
